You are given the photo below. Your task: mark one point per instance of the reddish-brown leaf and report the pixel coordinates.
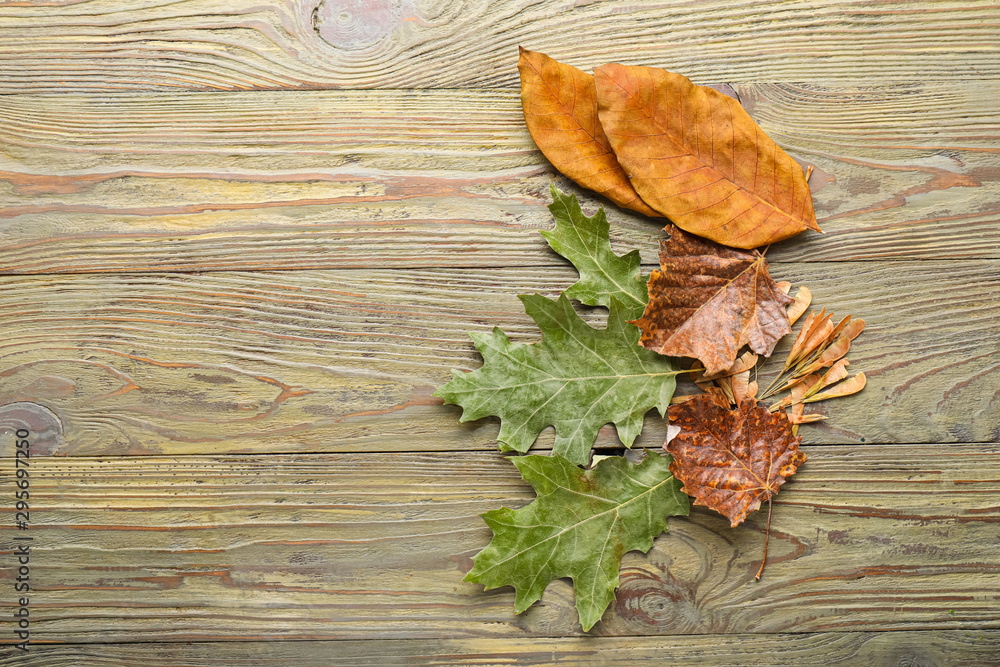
(708, 301)
(731, 460)
(560, 110)
(696, 156)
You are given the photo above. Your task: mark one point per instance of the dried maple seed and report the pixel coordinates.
(845, 388)
(802, 300)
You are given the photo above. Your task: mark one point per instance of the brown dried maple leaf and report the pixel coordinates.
(707, 301)
(731, 460)
(560, 110)
(696, 156)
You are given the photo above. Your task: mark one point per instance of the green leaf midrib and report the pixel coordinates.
(569, 380)
(616, 508)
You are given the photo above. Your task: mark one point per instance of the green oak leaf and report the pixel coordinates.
(576, 379)
(584, 241)
(579, 526)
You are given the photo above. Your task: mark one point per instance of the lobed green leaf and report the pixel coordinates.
(580, 525)
(585, 242)
(576, 379)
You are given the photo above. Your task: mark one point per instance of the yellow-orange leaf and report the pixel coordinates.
(845, 388)
(746, 361)
(560, 110)
(696, 156)
(802, 300)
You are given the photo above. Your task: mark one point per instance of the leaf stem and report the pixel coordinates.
(767, 537)
(690, 370)
(768, 392)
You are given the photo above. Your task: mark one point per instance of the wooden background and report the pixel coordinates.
(241, 244)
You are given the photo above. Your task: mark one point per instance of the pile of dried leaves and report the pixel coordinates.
(653, 142)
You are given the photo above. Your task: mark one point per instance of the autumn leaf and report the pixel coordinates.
(707, 301)
(731, 460)
(560, 110)
(579, 526)
(696, 156)
(576, 379)
(584, 241)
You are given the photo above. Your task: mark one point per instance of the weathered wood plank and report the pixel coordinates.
(202, 182)
(929, 647)
(108, 45)
(347, 360)
(373, 546)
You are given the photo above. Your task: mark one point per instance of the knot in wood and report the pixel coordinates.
(356, 24)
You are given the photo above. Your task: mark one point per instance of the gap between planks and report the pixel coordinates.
(211, 181)
(376, 545)
(916, 647)
(159, 363)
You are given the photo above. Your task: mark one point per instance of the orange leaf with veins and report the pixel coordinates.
(560, 110)
(696, 156)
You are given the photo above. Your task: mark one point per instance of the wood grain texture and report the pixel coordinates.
(374, 546)
(107, 45)
(930, 647)
(366, 179)
(347, 360)
(252, 454)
